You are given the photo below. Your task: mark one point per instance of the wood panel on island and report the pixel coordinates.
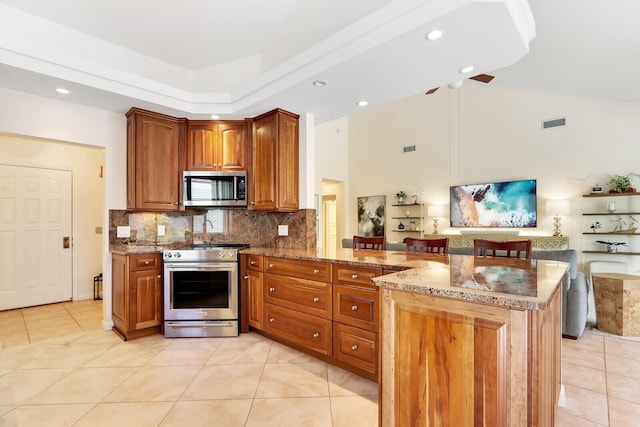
(326, 309)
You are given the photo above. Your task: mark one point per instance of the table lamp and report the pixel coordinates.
(435, 211)
(557, 208)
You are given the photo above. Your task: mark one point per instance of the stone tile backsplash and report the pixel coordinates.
(182, 229)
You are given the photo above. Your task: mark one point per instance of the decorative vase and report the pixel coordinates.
(612, 248)
(401, 226)
(400, 200)
(415, 199)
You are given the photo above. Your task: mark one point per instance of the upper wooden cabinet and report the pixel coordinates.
(217, 146)
(273, 178)
(154, 166)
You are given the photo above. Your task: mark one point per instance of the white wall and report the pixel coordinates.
(88, 193)
(481, 134)
(34, 116)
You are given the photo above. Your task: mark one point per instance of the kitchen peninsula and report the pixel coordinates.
(464, 340)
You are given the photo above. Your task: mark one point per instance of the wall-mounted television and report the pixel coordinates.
(498, 204)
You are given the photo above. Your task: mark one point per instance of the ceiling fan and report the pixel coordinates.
(484, 78)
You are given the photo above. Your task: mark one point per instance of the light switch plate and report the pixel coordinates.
(161, 230)
(123, 231)
(283, 230)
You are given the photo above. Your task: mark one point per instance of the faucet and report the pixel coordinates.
(205, 224)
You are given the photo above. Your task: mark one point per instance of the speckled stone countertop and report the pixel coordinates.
(135, 250)
(517, 284)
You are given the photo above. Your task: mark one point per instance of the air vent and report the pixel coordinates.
(408, 148)
(554, 123)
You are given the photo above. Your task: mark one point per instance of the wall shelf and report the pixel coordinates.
(610, 194)
(611, 253)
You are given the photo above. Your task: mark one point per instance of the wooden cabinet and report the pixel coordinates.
(154, 161)
(253, 276)
(217, 146)
(308, 331)
(137, 295)
(459, 363)
(273, 177)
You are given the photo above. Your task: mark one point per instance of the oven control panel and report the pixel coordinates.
(199, 255)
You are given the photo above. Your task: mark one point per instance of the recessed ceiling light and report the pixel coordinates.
(362, 103)
(434, 35)
(466, 70)
(215, 116)
(319, 83)
(62, 91)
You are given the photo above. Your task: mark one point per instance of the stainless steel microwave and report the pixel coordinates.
(225, 189)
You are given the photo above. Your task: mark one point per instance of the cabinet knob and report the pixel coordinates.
(159, 276)
(176, 203)
(316, 299)
(354, 276)
(272, 289)
(146, 263)
(316, 334)
(271, 265)
(252, 262)
(253, 203)
(246, 277)
(354, 347)
(354, 308)
(272, 319)
(316, 271)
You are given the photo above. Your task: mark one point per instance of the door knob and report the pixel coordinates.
(66, 242)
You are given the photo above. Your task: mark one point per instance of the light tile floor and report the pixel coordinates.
(58, 368)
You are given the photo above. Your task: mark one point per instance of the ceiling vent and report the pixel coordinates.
(554, 123)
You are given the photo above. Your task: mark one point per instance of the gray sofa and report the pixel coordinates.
(574, 288)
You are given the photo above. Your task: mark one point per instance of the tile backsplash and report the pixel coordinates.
(182, 229)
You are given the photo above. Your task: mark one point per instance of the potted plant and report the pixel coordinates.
(611, 246)
(621, 184)
(400, 196)
(596, 226)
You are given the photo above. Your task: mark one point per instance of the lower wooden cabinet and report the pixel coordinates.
(137, 295)
(309, 331)
(356, 347)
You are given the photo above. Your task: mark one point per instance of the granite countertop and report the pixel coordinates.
(517, 284)
(135, 250)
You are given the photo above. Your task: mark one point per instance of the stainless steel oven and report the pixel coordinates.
(201, 292)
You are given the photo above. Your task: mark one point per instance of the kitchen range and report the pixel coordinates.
(201, 291)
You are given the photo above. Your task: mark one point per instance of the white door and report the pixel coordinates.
(329, 215)
(35, 224)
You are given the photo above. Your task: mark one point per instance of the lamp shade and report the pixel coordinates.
(557, 207)
(435, 211)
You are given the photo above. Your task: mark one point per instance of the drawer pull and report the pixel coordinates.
(146, 263)
(252, 262)
(316, 334)
(354, 308)
(354, 276)
(272, 289)
(272, 319)
(316, 271)
(246, 277)
(159, 276)
(354, 347)
(316, 299)
(271, 265)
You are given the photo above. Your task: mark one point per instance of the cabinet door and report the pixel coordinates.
(263, 162)
(202, 147)
(288, 162)
(233, 147)
(254, 279)
(156, 164)
(145, 296)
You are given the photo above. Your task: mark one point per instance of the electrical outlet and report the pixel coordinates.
(123, 231)
(161, 230)
(283, 230)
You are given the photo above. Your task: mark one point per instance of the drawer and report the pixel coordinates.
(304, 329)
(298, 294)
(355, 276)
(357, 307)
(313, 270)
(254, 262)
(356, 347)
(145, 262)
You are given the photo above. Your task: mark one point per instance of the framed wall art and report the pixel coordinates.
(371, 217)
